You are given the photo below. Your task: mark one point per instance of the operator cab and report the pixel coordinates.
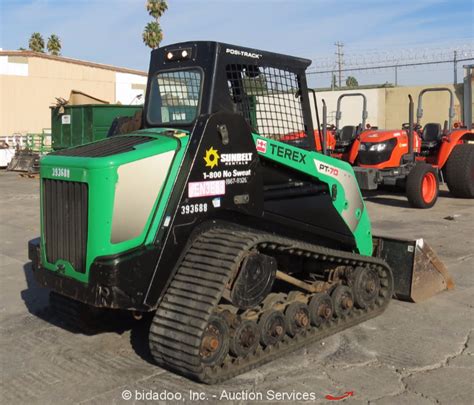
(192, 79)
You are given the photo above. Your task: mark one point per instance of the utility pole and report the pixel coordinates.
(396, 75)
(340, 60)
(455, 63)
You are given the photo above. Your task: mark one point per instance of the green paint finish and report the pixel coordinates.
(304, 161)
(101, 176)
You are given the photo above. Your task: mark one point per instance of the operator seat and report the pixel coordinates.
(346, 136)
(431, 136)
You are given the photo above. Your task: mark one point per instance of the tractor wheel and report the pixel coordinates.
(422, 186)
(460, 171)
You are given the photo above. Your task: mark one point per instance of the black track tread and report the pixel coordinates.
(199, 281)
(190, 301)
(204, 275)
(72, 313)
(459, 171)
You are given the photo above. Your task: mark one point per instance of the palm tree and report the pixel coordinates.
(152, 35)
(351, 81)
(156, 8)
(54, 45)
(36, 42)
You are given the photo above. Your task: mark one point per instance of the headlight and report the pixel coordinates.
(375, 147)
(378, 147)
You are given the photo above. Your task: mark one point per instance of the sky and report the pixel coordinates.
(109, 31)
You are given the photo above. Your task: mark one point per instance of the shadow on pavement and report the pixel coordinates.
(386, 200)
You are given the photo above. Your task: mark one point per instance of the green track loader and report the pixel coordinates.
(243, 246)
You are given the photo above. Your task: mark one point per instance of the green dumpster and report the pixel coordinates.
(73, 125)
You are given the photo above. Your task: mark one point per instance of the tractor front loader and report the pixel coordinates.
(244, 247)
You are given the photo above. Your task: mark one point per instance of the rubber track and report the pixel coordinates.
(196, 289)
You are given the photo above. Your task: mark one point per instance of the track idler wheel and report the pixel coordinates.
(272, 327)
(297, 318)
(254, 280)
(343, 300)
(321, 309)
(366, 287)
(214, 341)
(245, 338)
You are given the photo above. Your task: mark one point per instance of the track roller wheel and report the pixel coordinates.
(366, 287)
(297, 318)
(214, 341)
(343, 300)
(422, 186)
(321, 309)
(245, 338)
(272, 327)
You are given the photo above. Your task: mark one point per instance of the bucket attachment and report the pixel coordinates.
(24, 161)
(417, 271)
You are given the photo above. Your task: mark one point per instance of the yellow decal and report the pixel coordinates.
(211, 158)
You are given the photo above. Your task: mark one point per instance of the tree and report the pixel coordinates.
(36, 42)
(152, 34)
(156, 8)
(54, 45)
(351, 81)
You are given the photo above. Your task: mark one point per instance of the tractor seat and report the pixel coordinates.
(431, 136)
(346, 135)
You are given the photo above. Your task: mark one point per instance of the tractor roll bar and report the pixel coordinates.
(364, 107)
(419, 110)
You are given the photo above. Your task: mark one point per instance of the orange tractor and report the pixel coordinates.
(333, 140)
(418, 157)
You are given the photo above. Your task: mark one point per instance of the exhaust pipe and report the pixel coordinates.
(410, 123)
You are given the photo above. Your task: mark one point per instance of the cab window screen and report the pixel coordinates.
(174, 97)
(269, 99)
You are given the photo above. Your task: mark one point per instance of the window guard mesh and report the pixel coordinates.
(269, 99)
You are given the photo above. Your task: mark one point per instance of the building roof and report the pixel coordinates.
(31, 54)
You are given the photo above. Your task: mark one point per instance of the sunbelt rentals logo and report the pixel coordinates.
(212, 158)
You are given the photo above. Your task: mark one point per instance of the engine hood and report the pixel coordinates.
(382, 136)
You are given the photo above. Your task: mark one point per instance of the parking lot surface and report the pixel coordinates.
(412, 354)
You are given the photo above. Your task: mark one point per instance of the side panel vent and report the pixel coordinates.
(105, 147)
